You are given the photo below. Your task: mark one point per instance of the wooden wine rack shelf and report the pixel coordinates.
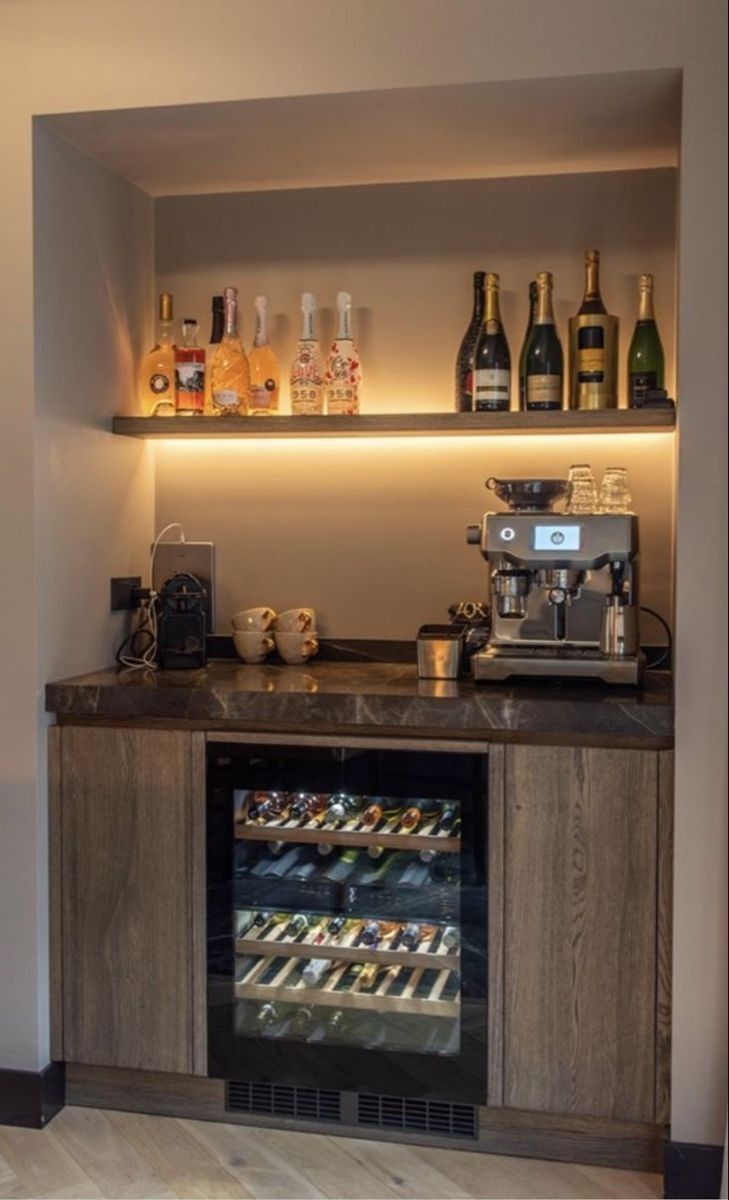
(348, 835)
(277, 945)
(378, 999)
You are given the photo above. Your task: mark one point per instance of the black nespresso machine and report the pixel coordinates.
(181, 624)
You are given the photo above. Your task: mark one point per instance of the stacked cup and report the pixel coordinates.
(295, 634)
(252, 633)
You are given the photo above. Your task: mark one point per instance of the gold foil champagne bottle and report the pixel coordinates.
(593, 346)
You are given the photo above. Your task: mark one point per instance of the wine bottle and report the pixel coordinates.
(189, 372)
(343, 378)
(267, 806)
(449, 819)
(267, 1014)
(593, 346)
(419, 810)
(336, 924)
(525, 343)
(303, 1020)
(451, 937)
(216, 337)
(230, 376)
(645, 356)
(306, 380)
(343, 808)
(464, 361)
(263, 365)
(375, 852)
(345, 865)
(544, 364)
(157, 372)
(298, 924)
(314, 971)
(305, 805)
(492, 360)
(411, 936)
(370, 934)
(377, 811)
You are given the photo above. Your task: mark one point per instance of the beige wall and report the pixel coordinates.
(61, 55)
(312, 522)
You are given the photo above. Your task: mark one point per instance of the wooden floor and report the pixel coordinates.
(88, 1153)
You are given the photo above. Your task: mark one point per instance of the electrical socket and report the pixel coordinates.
(121, 592)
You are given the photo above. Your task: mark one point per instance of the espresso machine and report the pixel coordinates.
(563, 589)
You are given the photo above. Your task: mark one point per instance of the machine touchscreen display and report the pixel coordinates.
(557, 537)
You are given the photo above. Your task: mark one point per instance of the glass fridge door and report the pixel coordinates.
(347, 919)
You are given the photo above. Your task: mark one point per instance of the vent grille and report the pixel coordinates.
(280, 1100)
(418, 1116)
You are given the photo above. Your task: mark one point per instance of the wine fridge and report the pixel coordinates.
(347, 919)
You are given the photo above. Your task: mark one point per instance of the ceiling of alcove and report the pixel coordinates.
(466, 131)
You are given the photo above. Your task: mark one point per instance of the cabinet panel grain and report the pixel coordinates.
(127, 941)
(580, 931)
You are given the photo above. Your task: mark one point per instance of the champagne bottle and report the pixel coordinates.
(645, 356)
(492, 360)
(525, 343)
(464, 361)
(343, 378)
(593, 346)
(263, 365)
(157, 372)
(419, 810)
(544, 364)
(216, 337)
(306, 380)
(230, 376)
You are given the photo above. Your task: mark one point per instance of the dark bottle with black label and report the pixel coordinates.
(544, 362)
(464, 361)
(525, 343)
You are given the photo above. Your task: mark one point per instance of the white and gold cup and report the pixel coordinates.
(296, 647)
(253, 646)
(254, 620)
(296, 620)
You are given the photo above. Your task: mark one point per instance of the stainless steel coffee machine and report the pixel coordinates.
(563, 593)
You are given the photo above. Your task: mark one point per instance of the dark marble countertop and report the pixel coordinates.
(373, 697)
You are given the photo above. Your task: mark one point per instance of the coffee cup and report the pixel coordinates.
(296, 620)
(296, 647)
(252, 645)
(253, 620)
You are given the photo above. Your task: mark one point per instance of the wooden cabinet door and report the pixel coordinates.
(580, 931)
(127, 818)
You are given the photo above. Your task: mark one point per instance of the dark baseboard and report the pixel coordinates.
(692, 1172)
(32, 1098)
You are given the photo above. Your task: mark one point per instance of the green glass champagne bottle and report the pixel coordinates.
(525, 344)
(645, 356)
(492, 360)
(544, 362)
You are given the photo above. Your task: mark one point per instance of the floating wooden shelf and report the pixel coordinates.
(433, 424)
(378, 999)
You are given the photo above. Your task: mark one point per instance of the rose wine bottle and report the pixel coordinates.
(645, 356)
(230, 375)
(189, 372)
(263, 365)
(157, 372)
(343, 378)
(492, 360)
(464, 361)
(306, 380)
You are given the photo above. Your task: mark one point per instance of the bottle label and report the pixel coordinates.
(640, 382)
(226, 399)
(306, 399)
(190, 386)
(343, 378)
(491, 389)
(264, 396)
(159, 383)
(591, 354)
(544, 390)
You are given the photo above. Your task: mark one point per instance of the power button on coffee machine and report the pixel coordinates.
(507, 534)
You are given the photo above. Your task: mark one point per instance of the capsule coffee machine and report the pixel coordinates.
(563, 589)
